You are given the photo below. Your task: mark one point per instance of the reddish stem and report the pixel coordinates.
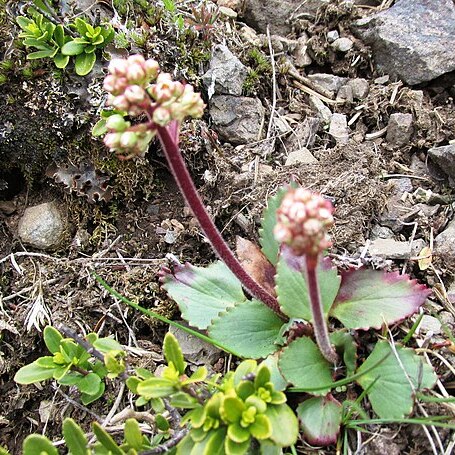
(187, 188)
(319, 323)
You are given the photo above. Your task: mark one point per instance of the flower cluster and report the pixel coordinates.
(303, 220)
(136, 86)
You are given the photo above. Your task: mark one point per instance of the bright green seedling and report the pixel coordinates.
(71, 364)
(48, 39)
(84, 47)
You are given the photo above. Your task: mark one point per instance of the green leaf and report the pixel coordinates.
(183, 400)
(133, 434)
(199, 375)
(36, 444)
(269, 246)
(59, 35)
(107, 344)
(388, 387)
(33, 373)
(46, 361)
(61, 61)
(231, 409)
(38, 44)
(292, 288)
(80, 25)
(23, 22)
(173, 352)
(215, 443)
(261, 428)
(156, 387)
(75, 438)
(202, 293)
(87, 399)
(106, 440)
(40, 54)
(72, 48)
(84, 63)
(344, 342)
(285, 426)
(89, 384)
(320, 420)
(237, 433)
(99, 128)
(250, 328)
(235, 448)
(267, 447)
(370, 298)
(276, 378)
(302, 364)
(52, 338)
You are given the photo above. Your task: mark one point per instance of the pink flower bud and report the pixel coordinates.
(118, 67)
(120, 85)
(136, 59)
(109, 83)
(136, 74)
(117, 123)
(161, 116)
(152, 68)
(120, 103)
(112, 140)
(135, 94)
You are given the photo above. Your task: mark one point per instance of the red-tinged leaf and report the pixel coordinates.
(256, 264)
(320, 420)
(370, 298)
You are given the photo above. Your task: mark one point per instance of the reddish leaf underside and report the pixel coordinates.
(370, 298)
(256, 264)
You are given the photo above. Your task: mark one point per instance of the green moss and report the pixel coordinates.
(260, 69)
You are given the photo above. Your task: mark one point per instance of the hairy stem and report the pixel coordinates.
(187, 188)
(319, 323)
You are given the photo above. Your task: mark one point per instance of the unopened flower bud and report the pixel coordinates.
(135, 94)
(118, 66)
(136, 59)
(136, 74)
(128, 139)
(161, 116)
(112, 140)
(117, 123)
(109, 83)
(303, 220)
(120, 103)
(152, 68)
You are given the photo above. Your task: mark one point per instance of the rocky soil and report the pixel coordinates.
(351, 98)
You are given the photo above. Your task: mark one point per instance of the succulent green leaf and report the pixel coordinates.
(269, 246)
(199, 375)
(23, 22)
(202, 293)
(133, 435)
(84, 63)
(388, 383)
(261, 428)
(173, 352)
(237, 433)
(244, 368)
(107, 344)
(320, 420)
(185, 446)
(99, 128)
(156, 387)
(105, 439)
(231, 409)
(59, 35)
(183, 400)
(75, 438)
(36, 444)
(198, 417)
(46, 361)
(61, 61)
(302, 364)
(344, 342)
(89, 49)
(285, 426)
(370, 298)
(38, 44)
(267, 447)
(262, 376)
(72, 48)
(41, 54)
(235, 448)
(52, 338)
(250, 328)
(161, 422)
(80, 25)
(33, 373)
(87, 399)
(215, 443)
(292, 288)
(276, 378)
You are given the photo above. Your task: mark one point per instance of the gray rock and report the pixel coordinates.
(444, 158)
(304, 134)
(429, 324)
(359, 88)
(228, 12)
(399, 129)
(302, 156)
(413, 40)
(332, 36)
(276, 13)
(43, 226)
(330, 82)
(226, 74)
(345, 94)
(322, 111)
(381, 232)
(394, 249)
(236, 119)
(194, 349)
(444, 245)
(342, 45)
(381, 80)
(395, 207)
(339, 128)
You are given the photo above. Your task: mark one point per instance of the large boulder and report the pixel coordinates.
(414, 40)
